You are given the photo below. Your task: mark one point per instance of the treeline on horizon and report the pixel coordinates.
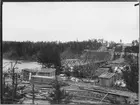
(28, 50)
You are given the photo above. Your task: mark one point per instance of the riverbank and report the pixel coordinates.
(22, 65)
(20, 59)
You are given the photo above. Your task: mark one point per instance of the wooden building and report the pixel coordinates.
(26, 73)
(44, 77)
(46, 72)
(107, 79)
(42, 81)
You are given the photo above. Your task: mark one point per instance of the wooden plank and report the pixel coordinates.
(109, 92)
(90, 98)
(104, 97)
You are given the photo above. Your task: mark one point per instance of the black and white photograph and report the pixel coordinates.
(67, 53)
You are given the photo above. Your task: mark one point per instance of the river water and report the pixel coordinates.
(21, 65)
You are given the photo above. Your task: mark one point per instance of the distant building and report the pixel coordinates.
(44, 77)
(107, 79)
(46, 72)
(26, 73)
(97, 56)
(42, 81)
(101, 70)
(70, 63)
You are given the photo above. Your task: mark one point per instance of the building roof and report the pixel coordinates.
(30, 70)
(107, 75)
(100, 71)
(74, 62)
(97, 55)
(38, 76)
(118, 61)
(47, 70)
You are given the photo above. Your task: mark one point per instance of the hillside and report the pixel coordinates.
(29, 50)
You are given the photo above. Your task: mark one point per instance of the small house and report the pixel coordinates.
(96, 56)
(42, 81)
(46, 72)
(44, 77)
(26, 73)
(102, 70)
(107, 79)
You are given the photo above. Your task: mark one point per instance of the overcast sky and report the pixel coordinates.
(68, 21)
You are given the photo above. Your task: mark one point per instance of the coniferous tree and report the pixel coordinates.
(131, 73)
(59, 95)
(131, 78)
